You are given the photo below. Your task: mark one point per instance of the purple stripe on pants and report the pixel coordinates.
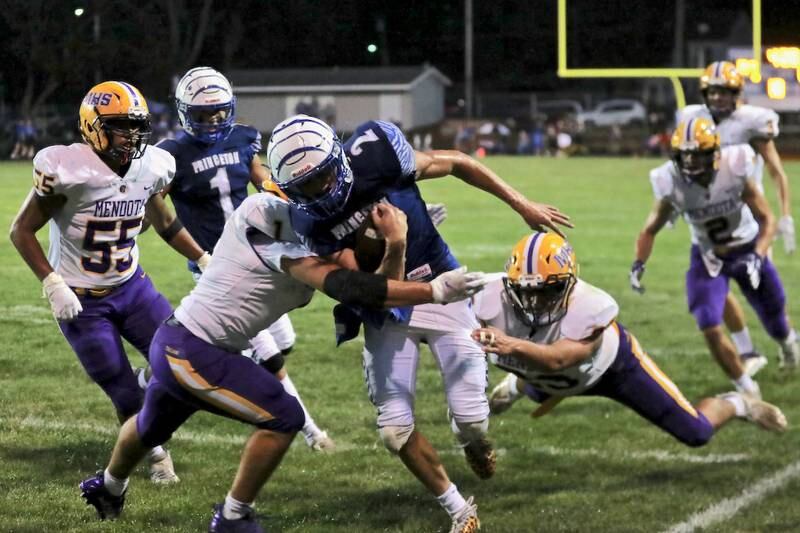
(171, 399)
(132, 311)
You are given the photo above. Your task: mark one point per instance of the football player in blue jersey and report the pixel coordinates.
(332, 188)
(216, 159)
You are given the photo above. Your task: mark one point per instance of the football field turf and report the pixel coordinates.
(590, 465)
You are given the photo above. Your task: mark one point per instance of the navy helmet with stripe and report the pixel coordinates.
(309, 165)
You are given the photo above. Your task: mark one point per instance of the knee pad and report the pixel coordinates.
(395, 437)
(467, 432)
(273, 364)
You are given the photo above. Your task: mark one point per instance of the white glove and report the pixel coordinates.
(786, 231)
(635, 276)
(63, 301)
(437, 212)
(456, 285)
(203, 261)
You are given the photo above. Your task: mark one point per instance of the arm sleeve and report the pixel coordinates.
(742, 161)
(764, 124)
(46, 179)
(268, 230)
(661, 181)
(596, 310)
(401, 146)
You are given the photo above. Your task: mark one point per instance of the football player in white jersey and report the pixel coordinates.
(260, 272)
(558, 336)
(731, 227)
(721, 86)
(95, 195)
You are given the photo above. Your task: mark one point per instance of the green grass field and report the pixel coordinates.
(590, 465)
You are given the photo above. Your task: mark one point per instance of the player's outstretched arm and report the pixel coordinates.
(172, 231)
(439, 163)
(548, 357)
(660, 214)
(767, 149)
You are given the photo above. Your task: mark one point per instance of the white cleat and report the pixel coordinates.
(320, 442)
(503, 395)
(765, 415)
(466, 521)
(753, 362)
(162, 471)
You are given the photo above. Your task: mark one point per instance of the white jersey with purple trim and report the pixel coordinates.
(244, 289)
(745, 124)
(93, 235)
(588, 310)
(716, 215)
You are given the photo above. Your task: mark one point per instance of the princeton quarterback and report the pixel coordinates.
(721, 86)
(260, 272)
(332, 187)
(558, 336)
(216, 158)
(732, 227)
(94, 195)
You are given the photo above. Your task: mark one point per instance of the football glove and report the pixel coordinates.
(63, 300)
(786, 232)
(203, 261)
(456, 285)
(437, 212)
(637, 271)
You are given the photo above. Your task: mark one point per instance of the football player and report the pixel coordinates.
(558, 336)
(721, 86)
(259, 273)
(216, 158)
(731, 226)
(94, 195)
(332, 188)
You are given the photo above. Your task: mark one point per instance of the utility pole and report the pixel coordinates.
(468, 87)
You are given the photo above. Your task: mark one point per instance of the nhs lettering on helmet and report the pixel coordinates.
(563, 255)
(97, 99)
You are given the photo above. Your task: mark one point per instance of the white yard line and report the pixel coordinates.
(213, 438)
(727, 508)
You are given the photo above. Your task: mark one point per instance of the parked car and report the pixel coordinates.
(619, 112)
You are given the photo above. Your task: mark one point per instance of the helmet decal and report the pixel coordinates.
(206, 104)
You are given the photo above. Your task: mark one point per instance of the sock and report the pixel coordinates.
(451, 500)
(790, 339)
(114, 485)
(514, 386)
(738, 403)
(233, 509)
(142, 379)
(742, 341)
(310, 428)
(746, 384)
(156, 454)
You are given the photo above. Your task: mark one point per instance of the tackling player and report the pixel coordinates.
(558, 336)
(94, 195)
(260, 272)
(721, 86)
(215, 160)
(332, 187)
(731, 230)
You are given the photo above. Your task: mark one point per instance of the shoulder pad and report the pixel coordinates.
(661, 179)
(590, 309)
(740, 159)
(488, 303)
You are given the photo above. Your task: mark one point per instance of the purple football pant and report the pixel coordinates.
(706, 295)
(190, 374)
(132, 311)
(634, 380)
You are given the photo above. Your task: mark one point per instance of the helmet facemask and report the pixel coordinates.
(721, 101)
(540, 303)
(207, 123)
(126, 136)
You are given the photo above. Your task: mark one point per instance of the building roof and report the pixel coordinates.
(336, 79)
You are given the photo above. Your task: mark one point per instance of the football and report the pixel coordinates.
(370, 246)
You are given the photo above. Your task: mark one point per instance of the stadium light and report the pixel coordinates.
(784, 56)
(371, 48)
(78, 11)
(776, 88)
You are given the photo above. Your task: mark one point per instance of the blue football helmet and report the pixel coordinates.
(309, 165)
(206, 105)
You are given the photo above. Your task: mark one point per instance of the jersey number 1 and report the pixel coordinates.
(223, 185)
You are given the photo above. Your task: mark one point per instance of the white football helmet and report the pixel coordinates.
(309, 165)
(206, 104)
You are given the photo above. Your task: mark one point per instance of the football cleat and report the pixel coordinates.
(94, 491)
(503, 395)
(466, 521)
(246, 524)
(481, 458)
(320, 442)
(162, 471)
(753, 362)
(765, 415)
(788, 356)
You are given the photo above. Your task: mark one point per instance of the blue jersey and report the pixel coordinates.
(383, 168)
(210, 180)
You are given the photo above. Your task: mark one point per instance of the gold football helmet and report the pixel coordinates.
(540, 274)
(695, 148)
(115, 109)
